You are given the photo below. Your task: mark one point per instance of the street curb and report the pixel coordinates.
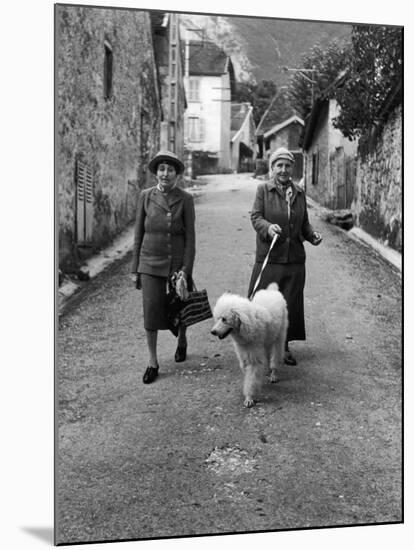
(98, 263)
(360, 236)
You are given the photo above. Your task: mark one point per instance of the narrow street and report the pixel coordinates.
(182, 456)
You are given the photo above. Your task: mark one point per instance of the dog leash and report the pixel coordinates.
(264, 265)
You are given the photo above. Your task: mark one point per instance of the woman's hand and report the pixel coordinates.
(181, 285)
(273, 229)
(316, 238)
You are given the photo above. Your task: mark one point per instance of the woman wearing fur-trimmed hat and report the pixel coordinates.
(280, 208)
(164, 244)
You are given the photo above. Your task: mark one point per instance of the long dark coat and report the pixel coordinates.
(286, 264)
(164, 233)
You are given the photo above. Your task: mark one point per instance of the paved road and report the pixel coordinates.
(183, 456)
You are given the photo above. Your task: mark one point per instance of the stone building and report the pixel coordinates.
(364, 176)
(113, 97)
(329, 157)
(377, 204)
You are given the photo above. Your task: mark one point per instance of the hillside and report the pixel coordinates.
(260, 46)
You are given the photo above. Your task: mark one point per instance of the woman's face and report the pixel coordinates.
(282, 170)
(166, 175)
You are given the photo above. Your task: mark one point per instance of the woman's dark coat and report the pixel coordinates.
(164, 233)
(270, 207)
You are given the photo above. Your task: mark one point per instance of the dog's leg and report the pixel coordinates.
(249, 385)
(254, 373)
(275, 361)
(278, 351)
(248, 378)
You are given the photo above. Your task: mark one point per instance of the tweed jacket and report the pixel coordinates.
(164, 233)
(270, 207)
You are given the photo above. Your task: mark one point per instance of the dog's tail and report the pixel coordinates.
(273, 286)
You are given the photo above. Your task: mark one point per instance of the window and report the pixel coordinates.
(315, 167)
(195, 129)
(194, 90)
(108, 70)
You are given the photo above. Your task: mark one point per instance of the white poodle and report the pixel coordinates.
(258, 329)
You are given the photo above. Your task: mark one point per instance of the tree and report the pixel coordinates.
(258, 95)
(374, 69)
(326, 64)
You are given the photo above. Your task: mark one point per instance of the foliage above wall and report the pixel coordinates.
(322, 65)
(375, 65)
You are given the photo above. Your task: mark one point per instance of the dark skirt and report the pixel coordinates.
(154, 300)
(291, 281)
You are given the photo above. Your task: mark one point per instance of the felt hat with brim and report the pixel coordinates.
(280, 154)
(169, 158)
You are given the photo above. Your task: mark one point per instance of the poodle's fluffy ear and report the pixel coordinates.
(235, 319)
(245, 327)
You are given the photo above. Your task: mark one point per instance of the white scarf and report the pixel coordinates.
(160, 187)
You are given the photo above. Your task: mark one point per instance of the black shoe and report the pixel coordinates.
(289, 359)
(180, 354)
(150, 375)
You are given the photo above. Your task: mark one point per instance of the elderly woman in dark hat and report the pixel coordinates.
(164, 245)
(280, 208)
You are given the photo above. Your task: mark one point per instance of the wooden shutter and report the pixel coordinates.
(84, 203)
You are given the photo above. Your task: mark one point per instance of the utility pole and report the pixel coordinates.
(310, 79)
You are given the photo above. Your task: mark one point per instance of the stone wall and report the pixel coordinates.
(114, 136)
(378, 201)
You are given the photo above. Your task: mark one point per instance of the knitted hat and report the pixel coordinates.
(168, 157)
(280, 153)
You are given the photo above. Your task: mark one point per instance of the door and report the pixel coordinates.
(350, 181)
(340, 178)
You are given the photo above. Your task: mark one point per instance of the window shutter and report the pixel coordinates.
(84, 203)
(80, 203)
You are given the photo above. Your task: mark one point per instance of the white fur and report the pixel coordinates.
(258, 330)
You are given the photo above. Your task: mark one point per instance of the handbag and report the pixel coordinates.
(196, 308)
(173, 307)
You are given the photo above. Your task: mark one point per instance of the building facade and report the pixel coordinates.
(169, 62)
(242, 144)
(329, 158)
(209, 82)
(112, 100)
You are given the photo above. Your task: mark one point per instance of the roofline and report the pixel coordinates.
(311, 120)
(249, 112)
(277, 127)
